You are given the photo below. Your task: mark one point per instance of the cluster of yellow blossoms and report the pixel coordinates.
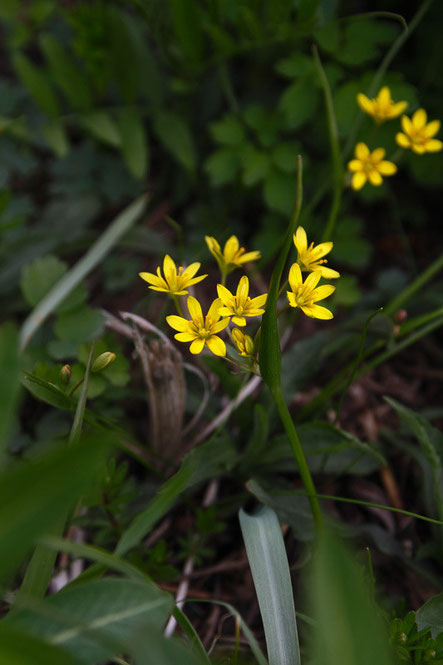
(202, 330)
(418, 136)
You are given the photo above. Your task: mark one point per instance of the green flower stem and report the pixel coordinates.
(338, 179)
(299, 455)
(178, 307)
(415, 286)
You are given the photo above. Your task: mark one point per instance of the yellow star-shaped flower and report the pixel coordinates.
(240, 305)
(310, 258)
(369, 166)
(175, 280)
(200, 331)
(232, 257)
(305, 294)
(418, 133)
(383, 107)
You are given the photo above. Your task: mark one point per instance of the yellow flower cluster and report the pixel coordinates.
(237, 306)
(304, 294)
(418, 136)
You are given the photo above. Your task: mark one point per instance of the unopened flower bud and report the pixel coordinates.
(102, 361)
(65, 373)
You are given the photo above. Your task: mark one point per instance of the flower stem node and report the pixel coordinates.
(310, 258)
(200, 330)
(103, 361)
(382, 107)
(369, 166)
(418, 133)
(305, 294)
(176, 279)
(240, 305)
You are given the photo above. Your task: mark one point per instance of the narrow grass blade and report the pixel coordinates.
(270, 570)
(88, 262)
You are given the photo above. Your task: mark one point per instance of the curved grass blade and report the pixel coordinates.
(87, 263)
(270, 570)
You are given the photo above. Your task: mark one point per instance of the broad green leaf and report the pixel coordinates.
(97, 620)
(228, 131)
(33, 497)
(38, 277)
(222, 166)
(102, 126)
(296, 65)
(176, 136)
(255, 165)
(279, 191)
(10, 381)
(47, 392)
(66, 73)
(17, 647)
(80, 324)
(209, 460)
(37, 83)
(272, 580)
(284, 156)
(430, 615)
(299, 102)
(123, 222)
(349, 628)
(134, 142)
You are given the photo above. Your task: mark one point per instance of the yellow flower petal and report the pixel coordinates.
(214, 310)
(355, 165)
(419, 119)
(219, 325)
(365, 103)
(295, 276)
(248, 256)
(328, 273)
(312, 279)
(242, 289)
(185, 336)
(375, 178)
(434, 145)
(259, 301)
(197, 346)
(378, 154)
(403, 140)
(398, 108)
(361, 151)
(300, 240)
(239, 320)
(322, 249)
(195, 311)
(216, 345)
(407, 125)
(291, 298)
(358, 180)
(178, 322)
(231, 247)
(432, 128)
(387, 168)
(323, 292)
(318, 312)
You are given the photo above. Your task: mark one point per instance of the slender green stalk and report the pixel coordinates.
(299, 456)
(270, 355)
(338, 179)
(415, 286)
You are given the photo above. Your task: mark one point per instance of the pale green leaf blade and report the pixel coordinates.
(430, 615)
(9, 385)
(270, 570)
(88, 262)
(19, 648)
